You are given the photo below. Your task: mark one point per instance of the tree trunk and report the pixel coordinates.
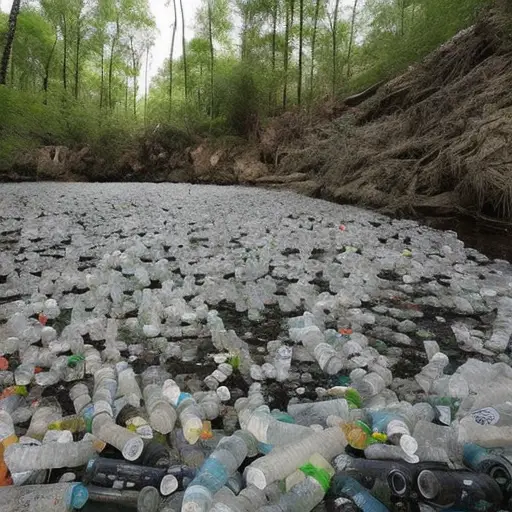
(65, 53)
(335, 47)
(313, 48)
(102, 83)
(146, 87)
(402, 18)
(111, 63)
(134, 69)
(171, 57)
(286, 53)
(274, 36)
(351, 40)
(46, 78)
(77, 56)
(13, 19)
(301, 48)
(127, 87)
(212, 59)
(184, 44)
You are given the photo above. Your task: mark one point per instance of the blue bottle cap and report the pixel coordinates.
(77, 496)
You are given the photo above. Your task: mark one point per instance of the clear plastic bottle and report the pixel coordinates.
(490, 427)
(80, 396)
(128, 387)
(128, 443)
(209, 405)
(316, 413)
(267, 429)
(162, 416)
(191, 455)
(190, 418)
(284, 460)
(216, 470)
(63, 497)
(303, 497)
(389, 452)
(370, 385)
(432, 371)
(343, 485)
(49, 410)
(24, 374)
(249, 499)
(282, 362)
(92, 360)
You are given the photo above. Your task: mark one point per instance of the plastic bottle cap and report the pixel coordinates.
(77, 496)
(408, 444)
(428, 484)
(133, 448)
(168, 485)
(256, 477)
(149, 500)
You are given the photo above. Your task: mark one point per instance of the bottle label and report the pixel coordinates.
(486, 416)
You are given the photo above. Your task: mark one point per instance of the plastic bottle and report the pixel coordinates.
(75, 423)
(432, 371)
(359, 435)
(190, 418)
(267, 429)
(491, 463)
(463, 490)
(155, 455)
(79, 394)
(284, 460)
(173, 503)
(7, 438)
(282, 362)
(209, 405)
(128, 387)
(121, 475)
(132, 418)
(318, 412)
(343, 485)
(24, 374)
(490, 427)
(304, 496)
(191, 455)
(370, 385)
(42, 498)
(48, 411)
(24, 457)
(391, 452)
(147, 500)
(314, 342)
(216, 470)
(128, 443)
(162, 417)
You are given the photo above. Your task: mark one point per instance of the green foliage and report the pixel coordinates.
(74, 75)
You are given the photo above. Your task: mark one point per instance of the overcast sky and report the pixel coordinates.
(164, 18)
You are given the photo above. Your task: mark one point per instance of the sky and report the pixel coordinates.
(164, 19)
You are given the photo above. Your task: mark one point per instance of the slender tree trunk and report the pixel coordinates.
(77, 56)
(127, 87)
(212, 59)
(12, 68)
(134, 69)
(184, 44)
(46, 78)
(301, 48)
(335, 47)
(402, 18)
(102, 83)
(171, 57)
(271, 94)
(313, 48)
(13, 19)
(146, 91)
(351, 40)
(286, 54)
(111, 63)
(65, 53)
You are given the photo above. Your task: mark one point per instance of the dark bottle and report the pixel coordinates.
(147, 500)
(464, 490)
(125, 476)
(155, 455)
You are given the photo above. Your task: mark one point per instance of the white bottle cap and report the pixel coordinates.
(168, 485)
(408, 444)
